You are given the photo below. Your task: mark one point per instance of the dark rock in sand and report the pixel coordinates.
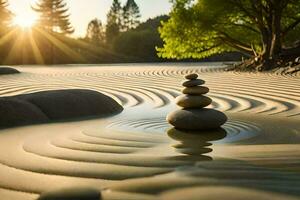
(66, 104)
(8, 70)
(16, 112)
(191, 76)
(197, 119)
(197, 90)
(190, 101)
(192, 83)
(55, 105)
(72, 194)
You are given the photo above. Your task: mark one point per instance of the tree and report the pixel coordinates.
(5, 15)
(54, 16)
(265, 30)
(114, 18)
(131, 15)
(95, 32)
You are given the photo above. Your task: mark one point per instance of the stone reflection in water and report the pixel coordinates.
(195, 143)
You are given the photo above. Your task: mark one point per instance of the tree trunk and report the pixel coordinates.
(272, 49)
(272, 40)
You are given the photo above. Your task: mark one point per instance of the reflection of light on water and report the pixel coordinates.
(195, 142)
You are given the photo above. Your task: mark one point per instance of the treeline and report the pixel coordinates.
(125, 35)
(49, 41)
(119, 19)
(122, 39)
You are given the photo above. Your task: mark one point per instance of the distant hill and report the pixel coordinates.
(153, 23)
(139, 44)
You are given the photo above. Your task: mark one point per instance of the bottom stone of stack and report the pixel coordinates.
(197, 119)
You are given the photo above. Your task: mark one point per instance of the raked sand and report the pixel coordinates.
(136, 156)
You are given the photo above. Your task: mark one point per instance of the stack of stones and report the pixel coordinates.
(194, 115)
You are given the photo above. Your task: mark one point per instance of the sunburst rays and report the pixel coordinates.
(23, 43)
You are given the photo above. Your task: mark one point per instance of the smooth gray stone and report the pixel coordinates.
(192, 83)
(197, 119)
(195, 90)
(72, 194)
(191, 76)
(191, 101)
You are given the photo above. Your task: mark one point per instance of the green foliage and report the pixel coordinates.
(54, 16)
(201, 28)
(292, 17)
(95, 32)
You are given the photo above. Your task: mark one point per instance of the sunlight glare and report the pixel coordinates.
(25, 21)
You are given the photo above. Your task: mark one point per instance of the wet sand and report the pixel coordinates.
(136, 155)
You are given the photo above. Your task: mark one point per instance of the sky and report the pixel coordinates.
(83, 11)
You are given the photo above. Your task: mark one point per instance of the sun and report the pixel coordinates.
(25, 21)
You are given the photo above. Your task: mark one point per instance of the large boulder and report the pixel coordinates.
(8, 70)
(55, 105)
